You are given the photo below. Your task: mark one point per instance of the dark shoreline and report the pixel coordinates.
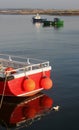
(40, 11)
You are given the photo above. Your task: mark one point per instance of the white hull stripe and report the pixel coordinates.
(18, 75)
(28, 93)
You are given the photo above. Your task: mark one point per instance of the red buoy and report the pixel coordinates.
(29, 84)
(46, 83)
(9, 69)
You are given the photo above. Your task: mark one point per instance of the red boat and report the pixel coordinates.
(19, 113)
(23, 76)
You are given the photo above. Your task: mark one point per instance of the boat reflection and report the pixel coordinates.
(25, 111)
(56, 27)
(37, 25)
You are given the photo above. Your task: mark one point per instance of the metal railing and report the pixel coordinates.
(29, 64)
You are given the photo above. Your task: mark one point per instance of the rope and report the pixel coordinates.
(3, 91)
(25, 72)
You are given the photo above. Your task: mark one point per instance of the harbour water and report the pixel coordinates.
(19, 36)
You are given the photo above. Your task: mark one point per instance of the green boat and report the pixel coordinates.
(56, 22)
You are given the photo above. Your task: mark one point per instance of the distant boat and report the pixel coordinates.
(56, 22)
(38, 18)
(23, 76)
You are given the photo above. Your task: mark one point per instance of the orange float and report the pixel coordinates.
(29, 84)
(46, 82)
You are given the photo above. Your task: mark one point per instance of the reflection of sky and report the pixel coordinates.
(53, 4)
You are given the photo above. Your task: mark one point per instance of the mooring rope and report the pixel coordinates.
(3, 91)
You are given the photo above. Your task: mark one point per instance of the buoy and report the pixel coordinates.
(9, 69)
(46, 83)
(29, 84)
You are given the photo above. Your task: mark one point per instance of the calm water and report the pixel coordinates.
(19, 36)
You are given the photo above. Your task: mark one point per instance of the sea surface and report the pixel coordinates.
(19, 36)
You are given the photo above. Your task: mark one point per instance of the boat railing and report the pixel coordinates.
(21, 66)
(20, 59)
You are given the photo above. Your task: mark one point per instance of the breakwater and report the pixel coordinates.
(40, 11)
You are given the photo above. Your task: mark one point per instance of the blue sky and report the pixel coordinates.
(43, 4)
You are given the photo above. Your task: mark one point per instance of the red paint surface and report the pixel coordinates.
(15, 87)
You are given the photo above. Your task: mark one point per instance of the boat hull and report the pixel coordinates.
(14, 85)
(53, 23)
(38, 20)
